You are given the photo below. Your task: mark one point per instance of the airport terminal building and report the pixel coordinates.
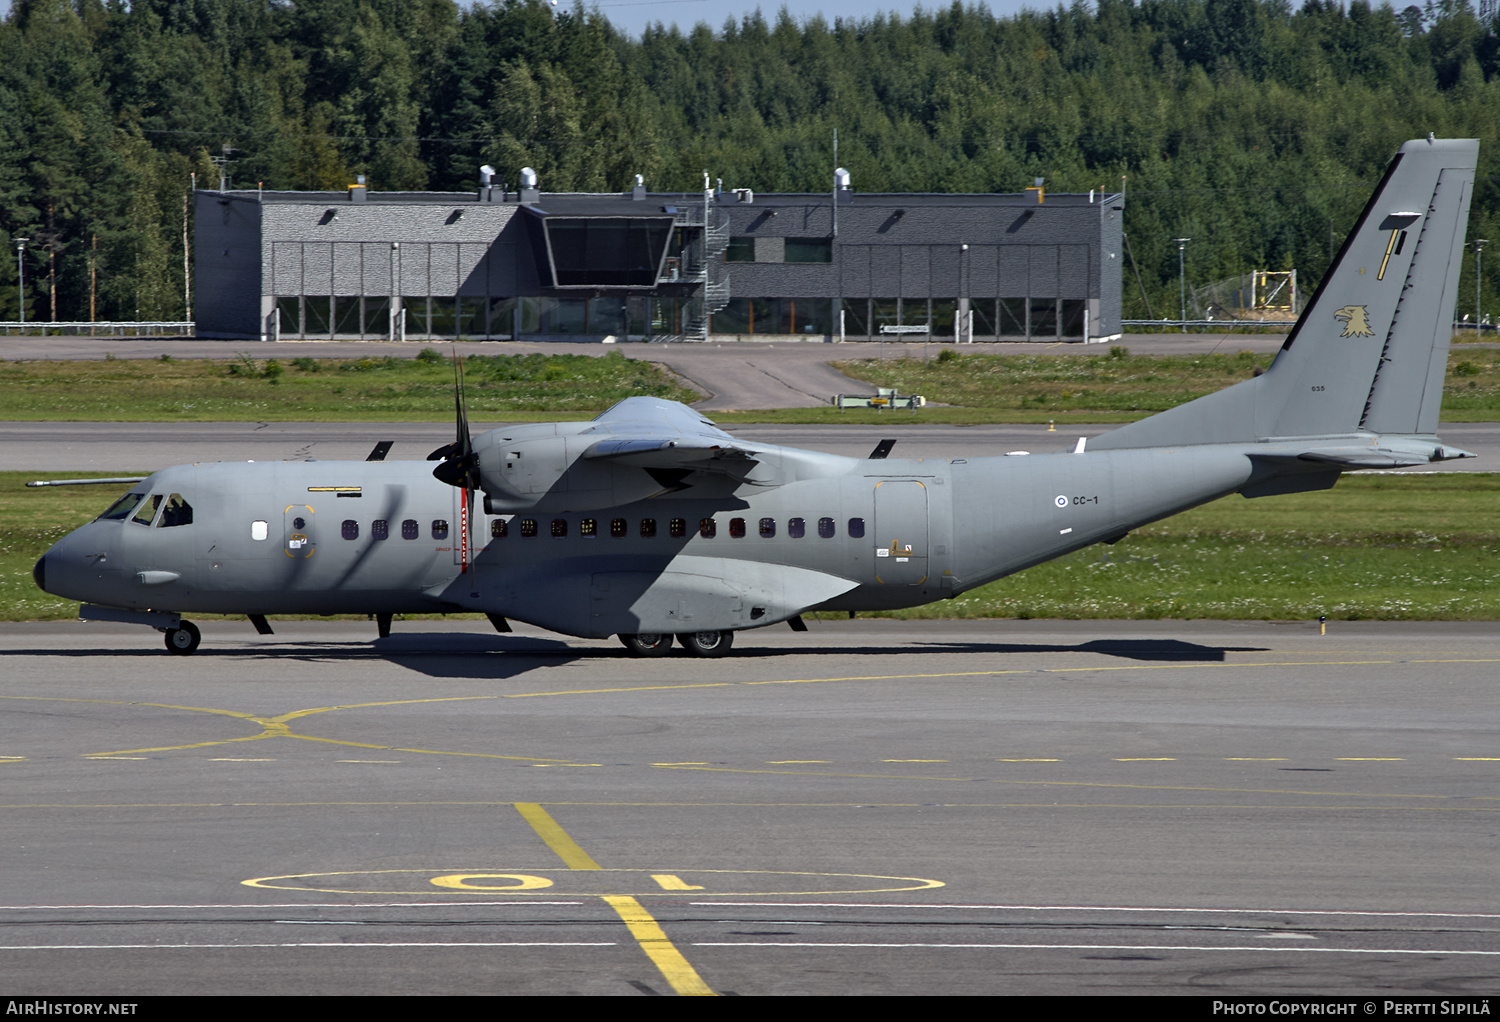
(731, 265)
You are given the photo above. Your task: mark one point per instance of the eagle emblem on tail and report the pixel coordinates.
(1356, 320)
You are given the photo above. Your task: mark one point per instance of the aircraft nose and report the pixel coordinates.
(39, 573)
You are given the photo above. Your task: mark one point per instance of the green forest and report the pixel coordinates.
(1251, 127)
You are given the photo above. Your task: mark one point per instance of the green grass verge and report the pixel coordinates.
(1115, 386)
(965, 389)
(498, 387)
(1379, 547)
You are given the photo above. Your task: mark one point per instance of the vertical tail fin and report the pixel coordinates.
(1370, 350)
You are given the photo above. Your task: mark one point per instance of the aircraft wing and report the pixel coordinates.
(652, 433)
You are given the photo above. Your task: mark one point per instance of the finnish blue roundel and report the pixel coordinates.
(1060, 500)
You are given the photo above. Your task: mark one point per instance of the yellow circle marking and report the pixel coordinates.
(591, 882)
(460, 882)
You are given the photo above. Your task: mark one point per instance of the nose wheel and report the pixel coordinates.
(183, 639)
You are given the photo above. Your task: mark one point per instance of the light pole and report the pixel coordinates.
(1479, 244)
(1182, 280)
(21, 275)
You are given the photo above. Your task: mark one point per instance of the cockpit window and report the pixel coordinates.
(178, 512)
(147, 510)
(122, 507)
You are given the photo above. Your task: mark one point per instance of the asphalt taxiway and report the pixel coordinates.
(869, 807)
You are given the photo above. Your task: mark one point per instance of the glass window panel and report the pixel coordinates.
(914, 312)
(677, 528)
(439, 528)
(588, 527)
(825, 528)
(380, 529)
(618, 527)
(763, 316)
(289, 315)
(377, 317)
(559, 527)
(350, 529)
(499, 528)
(856, 528)
(796, 528)
(315, 309)
(734, 318)
(809, 250)
(147, 510)
(528, 527)
(1043, 318)
(444, 317)
(409, 529)
(767, 528)
(1013, 317)
(740, 250)
(985, 322)
(884, 312)
(471, 317)
(708, 528)
(346, 320)
(502, 318)
(606, 315)
(737, 528)
(568, 316)
(944, 315)
(177, 512)
(1072, 317)
(856, 312)
(648, 528)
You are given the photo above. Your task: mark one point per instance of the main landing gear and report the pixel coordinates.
(183, 639)
(654, 644)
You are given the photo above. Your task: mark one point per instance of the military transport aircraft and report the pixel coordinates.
(652, 524)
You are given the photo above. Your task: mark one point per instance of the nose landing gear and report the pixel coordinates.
(184, 639)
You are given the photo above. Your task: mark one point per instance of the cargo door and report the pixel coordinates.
(900, 532)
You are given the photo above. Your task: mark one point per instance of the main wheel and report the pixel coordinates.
(647, 643)
(708, 643)
(183, 639)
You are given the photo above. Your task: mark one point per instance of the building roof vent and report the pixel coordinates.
(841, 179)
(638, 193)
(529, 191)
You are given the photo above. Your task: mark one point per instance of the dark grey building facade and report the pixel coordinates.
(652, 266)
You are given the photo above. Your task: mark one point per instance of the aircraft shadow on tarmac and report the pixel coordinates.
(463, 655)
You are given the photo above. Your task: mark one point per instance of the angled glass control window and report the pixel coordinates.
(122, 507)
(147, 510)
(177, 512)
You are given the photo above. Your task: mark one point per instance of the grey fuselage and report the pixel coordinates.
(933, 528)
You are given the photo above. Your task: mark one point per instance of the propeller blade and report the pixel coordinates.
(459, 464)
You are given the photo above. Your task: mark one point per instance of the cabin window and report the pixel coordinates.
(767, 528)
(677, 528)
(825, 528)
(178, 512)
(856, 528)
(528, 527)
(588, 527)
(618, 527)
(737, 528)
(559, 527)
(439, 528)
(350, 529)
(122, 507)
(708, 528)
(380, 529)
(147, 510)
(259, 530)
(498, 528)
(410, 529)
(796, 528)
(648, 528)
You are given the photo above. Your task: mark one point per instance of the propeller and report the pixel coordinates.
(460, 465)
